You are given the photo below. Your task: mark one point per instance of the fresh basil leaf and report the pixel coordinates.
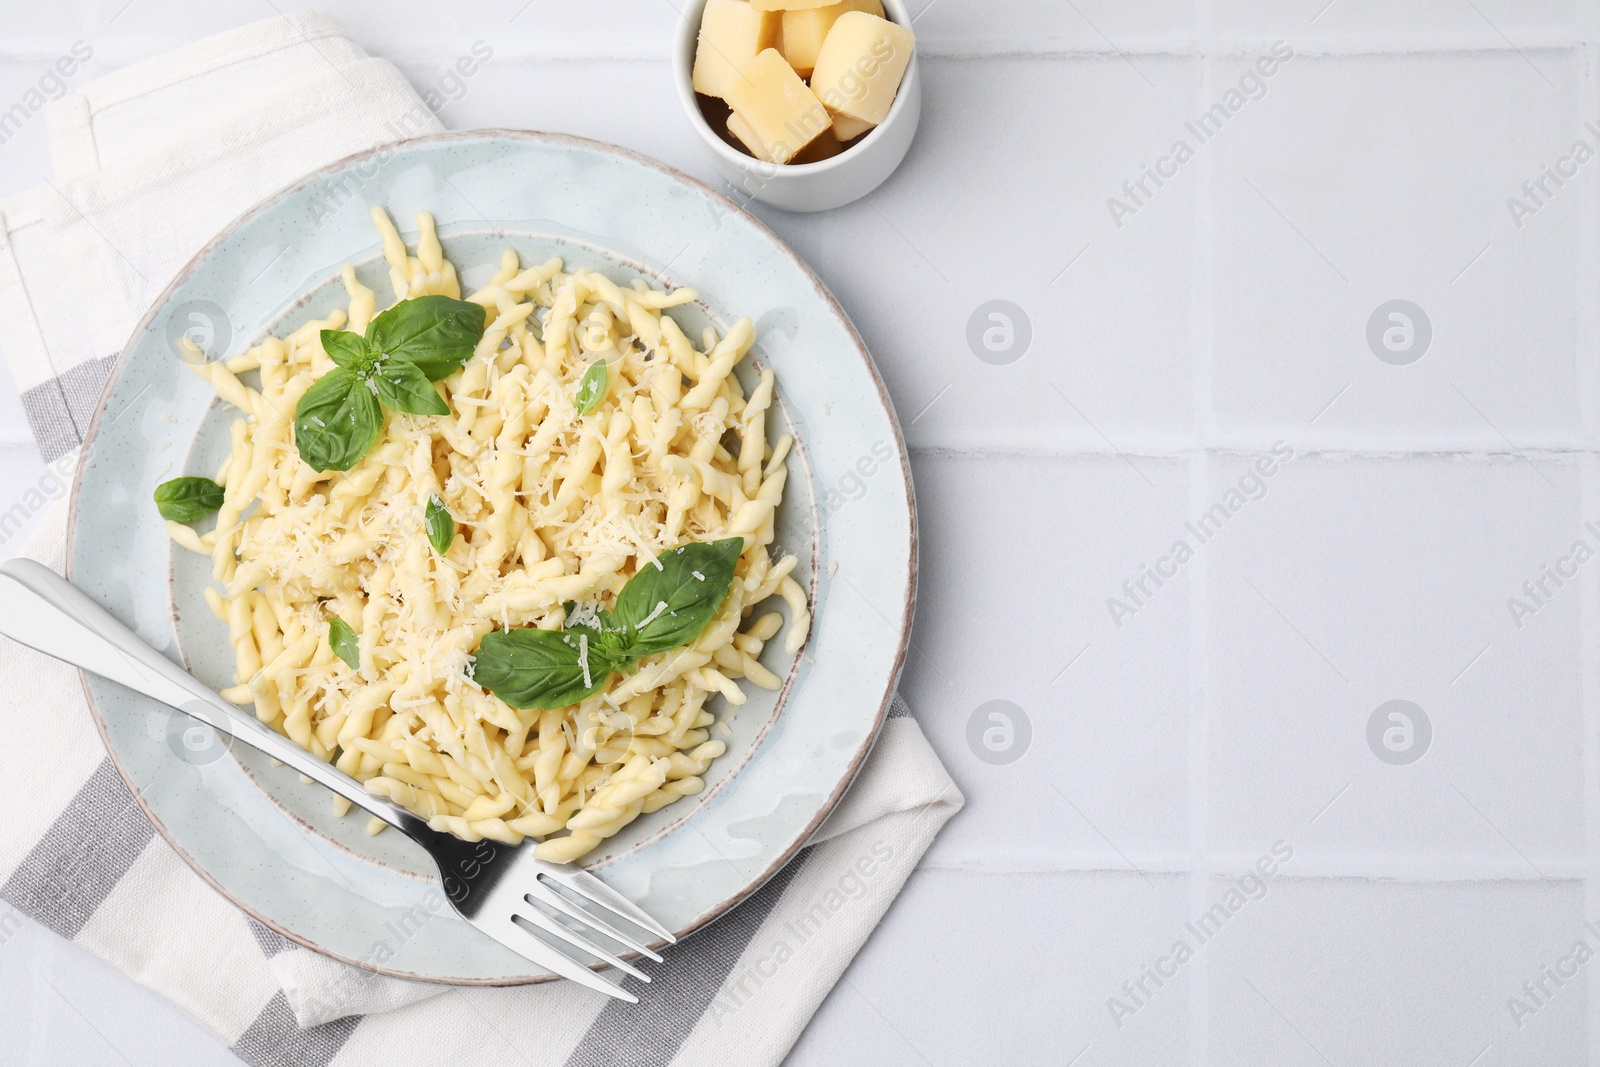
(336, 421)
(346, 349)
(437, 333)
(441, 525)
(587, 616)
(669, 605)
(541, 669)
(404, 387)
(660, 608)
(188, 499)
(592, 389)
(602, 630)
(344, 642)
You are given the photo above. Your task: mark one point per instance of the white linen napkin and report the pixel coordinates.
(150, 163)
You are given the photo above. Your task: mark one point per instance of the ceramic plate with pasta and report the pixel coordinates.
(535, 486)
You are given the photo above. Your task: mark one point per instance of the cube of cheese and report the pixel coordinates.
(732, 33)
(860, 66)
(804, 31)
(846, 128)
(747, 137)
(825, 147)
(776, 108)
(790, 5)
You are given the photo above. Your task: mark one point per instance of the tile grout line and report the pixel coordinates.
(1374, 46)
(1309, 868)
(1253, 450)
(1587, 694)
(1203, 338)
(1586, 301)
(1588, 330)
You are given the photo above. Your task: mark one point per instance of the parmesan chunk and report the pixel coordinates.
(848, 128)
(732, 33)
(777, 108)
(747, 137)
(805, 29)
(860, 65)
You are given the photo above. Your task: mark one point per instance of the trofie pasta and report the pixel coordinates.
(562, 482)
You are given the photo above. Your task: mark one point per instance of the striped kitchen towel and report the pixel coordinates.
(150, 162)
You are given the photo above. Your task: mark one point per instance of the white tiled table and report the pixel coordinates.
(1228, 712)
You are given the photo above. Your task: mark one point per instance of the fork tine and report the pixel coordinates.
(547, 955)
(544, 922)
(545, 895)
(585, 884)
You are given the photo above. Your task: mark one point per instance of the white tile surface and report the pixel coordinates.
(1418, 25)
(966, 28)
(925, 255)
(1092, 782)
(1311, 236)
(601, 99)
(1230, 310)
(1356, 581)
(988, 990)
(25, 83)
(1353, 971)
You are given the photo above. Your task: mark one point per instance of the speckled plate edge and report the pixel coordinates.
(828, 301)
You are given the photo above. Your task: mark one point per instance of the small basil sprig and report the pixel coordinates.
(592, 387)
(188, 499)
(665, 605)
(441, 525)
(344, 642)
(405, 349)
(336, 421)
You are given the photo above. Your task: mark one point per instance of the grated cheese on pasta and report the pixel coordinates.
(552, 507)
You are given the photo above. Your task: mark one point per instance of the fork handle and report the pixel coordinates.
(44, 611)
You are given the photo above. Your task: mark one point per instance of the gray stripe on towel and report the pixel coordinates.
(272, 943)
(276, 1040)
(650, 1033)
(59, 410)
(74, 867)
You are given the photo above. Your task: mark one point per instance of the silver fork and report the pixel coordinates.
(504, 891)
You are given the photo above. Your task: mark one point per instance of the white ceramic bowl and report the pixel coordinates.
(832, 183)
